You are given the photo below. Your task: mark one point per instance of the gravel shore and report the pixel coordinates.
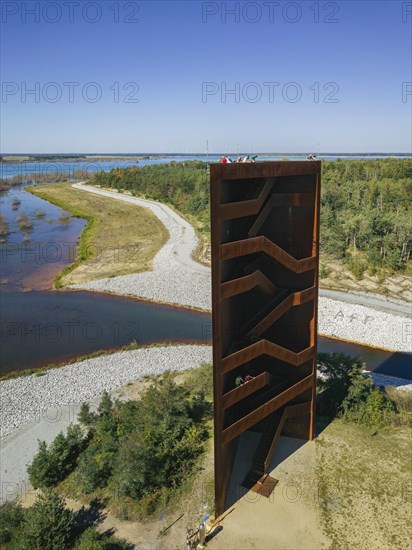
(365, 325)
(26, 398)
(176, 278)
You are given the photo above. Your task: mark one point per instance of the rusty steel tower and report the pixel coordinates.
(265, 244)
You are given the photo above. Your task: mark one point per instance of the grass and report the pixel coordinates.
(118, 239)
(364, 481)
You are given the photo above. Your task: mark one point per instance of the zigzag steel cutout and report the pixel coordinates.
(246, 208)
(295, 299)
(281, 199)
(244, 247)
(244, 284)
(267, 408)
(264, 347)
(236, 394)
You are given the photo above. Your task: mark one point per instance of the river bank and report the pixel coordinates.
(34, 408)
(177, 279)
(107, 246)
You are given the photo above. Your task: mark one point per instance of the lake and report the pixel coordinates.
(8, 170)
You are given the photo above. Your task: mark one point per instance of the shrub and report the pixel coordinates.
(11, 518)
(24, 221)
(356, 267)
(401, 399)
(359, 389)
(324, 271)
(96, 462)
(93, 540)
(86, 417)
(52, 464)
(166, 444)
(336, 373)
(40, 213)
(95, 465)
(47, 525)
(4, 226)
(376, 410)
(348, 392)
(200, 379)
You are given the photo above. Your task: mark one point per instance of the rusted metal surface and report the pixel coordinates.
(265, 244)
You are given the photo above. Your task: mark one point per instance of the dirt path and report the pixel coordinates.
(182, 237)
(372, 301)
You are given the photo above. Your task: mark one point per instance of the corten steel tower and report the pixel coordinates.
(265, 243)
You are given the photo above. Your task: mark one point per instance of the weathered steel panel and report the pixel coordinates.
(265, 245)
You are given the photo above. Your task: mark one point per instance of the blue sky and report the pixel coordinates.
(337, 74)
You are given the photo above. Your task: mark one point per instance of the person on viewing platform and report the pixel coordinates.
(239, 381)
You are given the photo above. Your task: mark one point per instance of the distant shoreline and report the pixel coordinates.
(21, 158)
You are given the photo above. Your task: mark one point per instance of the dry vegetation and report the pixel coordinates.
(364, 486)
(335, 275)
(119, 238)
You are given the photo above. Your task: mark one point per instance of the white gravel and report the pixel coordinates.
(25, 398)
(365, 325)
(385, 380)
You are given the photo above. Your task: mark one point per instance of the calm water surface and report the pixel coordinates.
(39, 328)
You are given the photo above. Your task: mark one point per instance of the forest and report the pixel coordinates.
(365, 206)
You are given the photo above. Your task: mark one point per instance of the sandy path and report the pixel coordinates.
(177, 252)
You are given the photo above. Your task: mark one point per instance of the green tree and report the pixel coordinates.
(166, 444)
(11, 518)
(52, 464)
(337, 372)
(373, 410)
(47, 525)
